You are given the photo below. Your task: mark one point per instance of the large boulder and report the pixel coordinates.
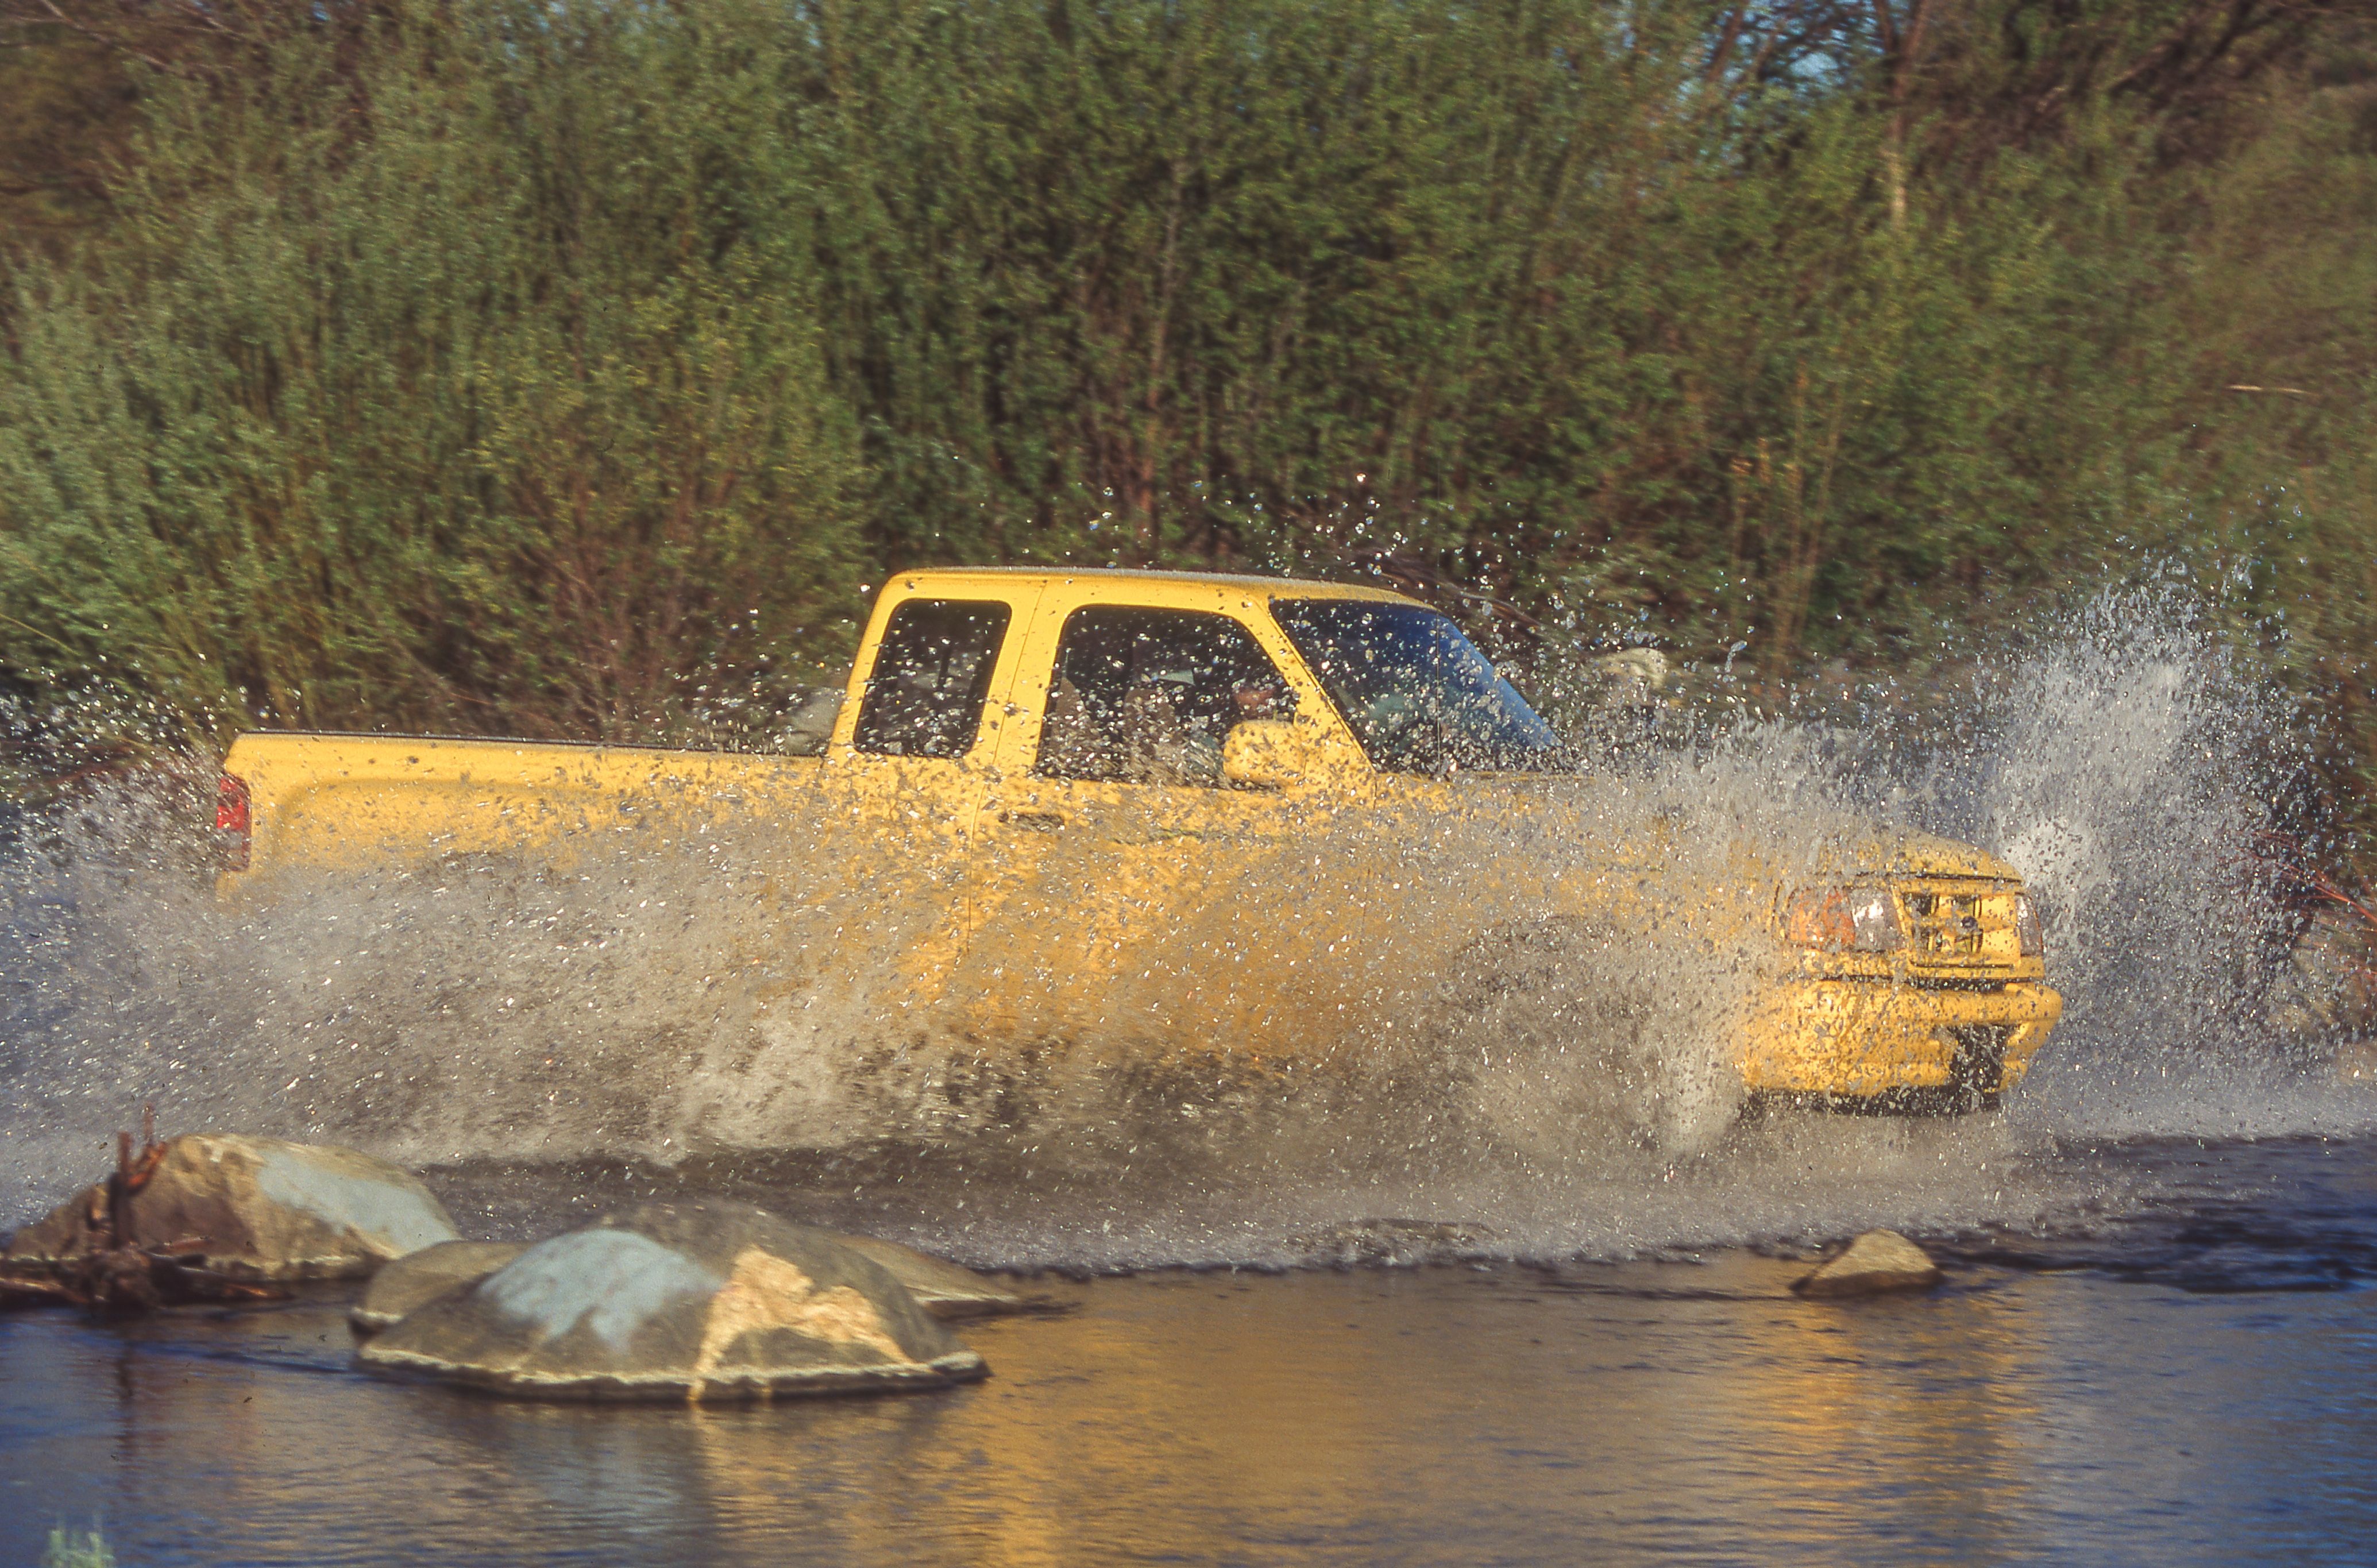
(947, 1290)
(418, 1278)
(252, 1208)
(699, 1300)
(1877, 1261)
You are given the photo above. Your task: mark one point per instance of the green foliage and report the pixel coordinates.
(494, 401)
(567, 368)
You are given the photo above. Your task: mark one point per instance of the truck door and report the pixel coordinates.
(1132, 895)
(912, 765)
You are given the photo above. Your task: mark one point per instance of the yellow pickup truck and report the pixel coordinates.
(1179, 815)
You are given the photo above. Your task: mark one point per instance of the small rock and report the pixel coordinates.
(708, 1300)
(257, 1208)
(1877, 1261)
(418, 1278)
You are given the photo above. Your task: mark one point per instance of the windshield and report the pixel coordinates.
(1419, 694)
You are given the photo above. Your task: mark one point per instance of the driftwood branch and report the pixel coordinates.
(120, 1272)
(2309, 890)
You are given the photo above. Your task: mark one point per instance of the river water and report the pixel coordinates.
(1437, 1313)
(2191, 1380)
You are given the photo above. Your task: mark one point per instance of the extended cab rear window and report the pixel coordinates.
(931, 676)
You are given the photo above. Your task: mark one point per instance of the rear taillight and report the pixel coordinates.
(231, 828)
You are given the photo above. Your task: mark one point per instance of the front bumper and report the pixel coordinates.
(1867, 1039)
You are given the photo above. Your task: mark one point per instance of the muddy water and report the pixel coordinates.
(2194, 1379)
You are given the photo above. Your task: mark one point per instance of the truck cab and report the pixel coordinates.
(1130, 747)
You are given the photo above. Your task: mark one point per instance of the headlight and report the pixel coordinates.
(2026, 927)
(1844, 919)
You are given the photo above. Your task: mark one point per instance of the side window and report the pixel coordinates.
(932, 672)
(1147, 696)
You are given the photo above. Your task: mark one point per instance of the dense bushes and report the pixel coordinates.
(496, 398)
(571, 368)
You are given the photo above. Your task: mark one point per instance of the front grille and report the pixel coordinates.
(1961, 928)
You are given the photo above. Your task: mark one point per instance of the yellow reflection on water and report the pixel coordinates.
(1439, 1415)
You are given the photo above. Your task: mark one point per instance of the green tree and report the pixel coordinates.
(488, 401)
(567, 368)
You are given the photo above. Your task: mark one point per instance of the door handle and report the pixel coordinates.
(1038, 821)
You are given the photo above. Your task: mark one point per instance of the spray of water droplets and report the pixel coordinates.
(688, 1011)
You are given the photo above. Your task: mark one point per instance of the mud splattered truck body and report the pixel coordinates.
(1184, 815)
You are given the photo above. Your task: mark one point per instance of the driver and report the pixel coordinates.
(1259, 695)
(1177, 747)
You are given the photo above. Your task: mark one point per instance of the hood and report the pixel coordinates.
(1832, 844)
(1890, 852)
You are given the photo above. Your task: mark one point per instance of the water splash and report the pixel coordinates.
(2136, 765)
(670, 1011)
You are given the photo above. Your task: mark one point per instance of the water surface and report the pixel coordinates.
(1566, 1333)
(2192, 1379)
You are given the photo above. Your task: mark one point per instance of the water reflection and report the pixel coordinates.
(1450, 1414)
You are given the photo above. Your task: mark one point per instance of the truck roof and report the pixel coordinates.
(1244, 583)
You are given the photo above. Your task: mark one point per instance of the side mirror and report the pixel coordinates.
(1273, 754)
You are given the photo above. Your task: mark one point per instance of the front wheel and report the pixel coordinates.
(1564, 1036)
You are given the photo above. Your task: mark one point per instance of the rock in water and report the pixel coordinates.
(947, 1290)
(258, 1208)
(709, 1301)
(1877, 1261)
(418, 1278)
(942, 1289)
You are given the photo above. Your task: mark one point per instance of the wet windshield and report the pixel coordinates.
(1419, 694)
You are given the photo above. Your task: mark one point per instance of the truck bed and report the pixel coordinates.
(340, 800)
